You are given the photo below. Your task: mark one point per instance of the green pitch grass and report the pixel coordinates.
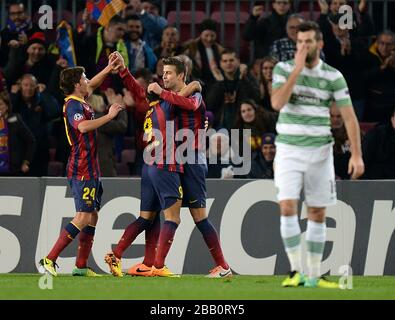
(26, 286)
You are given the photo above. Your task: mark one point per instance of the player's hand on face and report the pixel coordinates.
(356, 167)
(300, 58)
(155, 88)
(114, 110)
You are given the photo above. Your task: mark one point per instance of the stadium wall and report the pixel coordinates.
(360, 227)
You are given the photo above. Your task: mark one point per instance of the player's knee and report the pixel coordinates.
(288, 207)
(316, 214)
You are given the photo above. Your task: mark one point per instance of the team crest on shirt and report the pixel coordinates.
(322, 84)
(78, 117)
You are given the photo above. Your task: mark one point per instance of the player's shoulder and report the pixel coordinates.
(286, 66)
(73, 103)
(328, 69)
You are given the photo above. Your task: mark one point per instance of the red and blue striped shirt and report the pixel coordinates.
(83, 161)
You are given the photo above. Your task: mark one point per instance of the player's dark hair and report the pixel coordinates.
(116, 20)
(134, 17)
(228, 51)
(175, 61)
(69, 78)
(311, 26)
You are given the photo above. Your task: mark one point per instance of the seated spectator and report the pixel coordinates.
(32, 59)
(3, 84)
(107, 132)
(284, 49)
(259, 121)
(379, 77)
(229, 90)
(139, 52)
(265, 82)
(19, 28)
(341, 147)
(17, 143)
(379, 151)
(263, 31)
(205, 52)
(169, 45)
(262, 160)
(37, 108)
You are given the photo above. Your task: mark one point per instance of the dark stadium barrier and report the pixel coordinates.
(360, 227)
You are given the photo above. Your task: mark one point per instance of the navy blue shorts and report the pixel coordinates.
(193, 183)
(160, 188)
(87, 194)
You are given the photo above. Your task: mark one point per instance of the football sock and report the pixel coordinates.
(131, 232)
(315, 243)
(151, 241)
(211, 238)
(85, 246)
(66, 236)
(165, 241)
(291, 235)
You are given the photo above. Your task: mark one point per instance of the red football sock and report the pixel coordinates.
(211, 238)
(66, 236)
(85, 246)
(151, 241)
(131, 232)
(165, 241)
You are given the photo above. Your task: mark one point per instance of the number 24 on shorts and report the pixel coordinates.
(89, 192)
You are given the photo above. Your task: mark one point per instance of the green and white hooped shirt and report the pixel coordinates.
(305, 120)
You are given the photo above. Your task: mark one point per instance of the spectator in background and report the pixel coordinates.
(362, 24)
(107, 132)
(37, 108)
(259, 121)
(205, 53)
(379, 150)
(219, 162)
(17, 143)
(140, 53)
(19, 28)
(341, 147)
(229, 90)
(262, 159)
(345, 53)
(3, 84)
(379, 78)
(153, 22)
(170, 44)
(94, 51)
(284, 49)
(265, 82)
(263, 31)
(32, 58)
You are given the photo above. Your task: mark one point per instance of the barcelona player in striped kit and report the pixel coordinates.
(191, 115)
(160, 182)
(83, 170)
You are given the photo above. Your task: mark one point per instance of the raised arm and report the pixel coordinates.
(97, 80)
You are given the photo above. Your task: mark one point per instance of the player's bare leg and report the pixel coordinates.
(211, 239)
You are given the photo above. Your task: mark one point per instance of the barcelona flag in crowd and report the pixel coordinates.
(103, 10)
(65, 43)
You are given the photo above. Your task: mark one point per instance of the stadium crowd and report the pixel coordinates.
(236, 93)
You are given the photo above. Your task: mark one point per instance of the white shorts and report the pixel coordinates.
(310, 169)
